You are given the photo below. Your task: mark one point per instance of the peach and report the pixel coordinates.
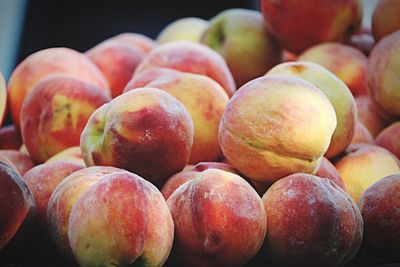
(336, 91)
(64, 198)
(382, 74)
(191, 172)
(328, 170)
(145, 77)
(204, 99)
(146, 131)
(370, 115)
(10, 137)
(17, 203)
(379, 206)
(135, 40)
(362, 134)
(385, 18)
(242, 38)
(364, 165)
(3, 99)
(55, 112)
(389, 139)
(262, 131)
(190, 57)
(117, 62)
(20, 160)
(42, 180)
(346, 62)
(72, 154)
(311, 222)
(300, 25)
(47, 62)
(219, 220)
(183, 29)
(141, 232)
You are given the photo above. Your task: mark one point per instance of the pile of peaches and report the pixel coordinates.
(257, 138)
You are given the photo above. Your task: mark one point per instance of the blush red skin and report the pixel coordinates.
(117, 62)
(143, 78)
(10, 138)
(190, 57)
(42, 180)
(389, 138)
(378, 205)
(299, 26)
(309, 217)
(37, 114)
(17, 203)
(202, 237)
(21, 161)
(329, 171)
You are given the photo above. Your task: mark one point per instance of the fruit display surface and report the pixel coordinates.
(265, 134)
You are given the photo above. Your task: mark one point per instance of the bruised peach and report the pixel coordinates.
(275, 126)
(146, 131)
(219, 220)
(55, 112)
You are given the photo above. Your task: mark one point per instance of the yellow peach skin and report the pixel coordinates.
(204, 99)
(336, 91)
(275, 126)
(365, 165)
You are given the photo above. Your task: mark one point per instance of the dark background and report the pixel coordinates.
(82, 24)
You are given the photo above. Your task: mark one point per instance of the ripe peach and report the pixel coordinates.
(72, 154)
(17, 203)
(336, 91)
(191, 172)
(219, 220)
(262, 131)
(20, 160)
(44, 63)
(389, 139)
(10, 137)
(385, 18)
(183, 29)
(379, 206)
(204, 99)
(55, 112)
(242, 38)
(117, 62)
(135, 40)
(370, 115)
(3, 99)
(64, 198)
(328, 170)
(382, 75)
(362, 134)
(149, 75)
(311, 222)
(121, 220)
(364, 165)
(300, 25)
(42, 180)
(190, 57)
(146, 131)
(346, 62)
